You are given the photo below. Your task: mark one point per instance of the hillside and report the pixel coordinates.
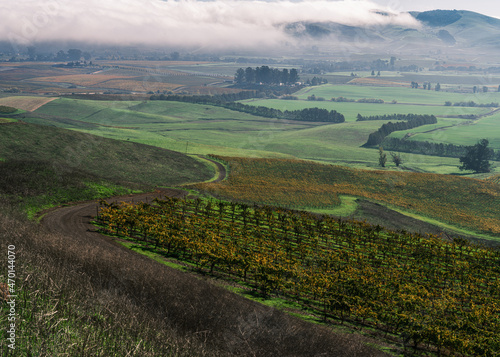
(55, 165)
(450, 29)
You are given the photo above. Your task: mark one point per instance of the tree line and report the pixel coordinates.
(472, 157)
(377, 137)
(228, 101)
(266, 75)
(471, 103)
(389, 117)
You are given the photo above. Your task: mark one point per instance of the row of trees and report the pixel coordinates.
(472, 158)
(229, 101)
(266, 75)
(426, 85)
(388, 117)
(307, 114)
(471, 103)
(377, 137)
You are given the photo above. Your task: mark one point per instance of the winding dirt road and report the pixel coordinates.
(74, 220)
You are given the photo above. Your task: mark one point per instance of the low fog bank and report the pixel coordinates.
(203, 25)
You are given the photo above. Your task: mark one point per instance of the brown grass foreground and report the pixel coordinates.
(93, 298)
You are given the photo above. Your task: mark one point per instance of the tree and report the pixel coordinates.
(239, 77)
(485, 89)
(293, 76)
(438, 87)
(477, 157)
(249, 75)
(74, 54)
(382, 159)
(61, 56)
(396, 158)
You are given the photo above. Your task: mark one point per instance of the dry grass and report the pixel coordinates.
(26, 103)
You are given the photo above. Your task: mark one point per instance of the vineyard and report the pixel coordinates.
(429, 293)
(306, 185)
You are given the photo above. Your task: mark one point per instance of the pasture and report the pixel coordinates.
(400, 94)
(204, 129)
(352, 109)
(466, 133)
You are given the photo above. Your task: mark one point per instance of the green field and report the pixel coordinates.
(351, 110)
(468, 133)
(204, 129)
(400, 94)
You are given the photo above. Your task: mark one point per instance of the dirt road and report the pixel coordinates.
(74, 220)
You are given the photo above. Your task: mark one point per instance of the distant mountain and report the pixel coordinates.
(450, 29)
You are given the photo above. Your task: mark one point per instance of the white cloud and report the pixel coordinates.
(220, 23)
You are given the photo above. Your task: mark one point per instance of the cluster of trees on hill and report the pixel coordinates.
(316, 81)
(228, 101)
(377, 137)
(266, 75)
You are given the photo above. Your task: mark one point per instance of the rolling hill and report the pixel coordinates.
(451, 29)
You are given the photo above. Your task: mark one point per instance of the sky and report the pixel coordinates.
(486, 7)
(215, 24)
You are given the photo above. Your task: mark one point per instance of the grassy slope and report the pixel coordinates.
(467, 134)
(59, 165)
(168, 125)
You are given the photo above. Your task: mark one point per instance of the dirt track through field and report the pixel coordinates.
(75, 220)
(221, 170)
